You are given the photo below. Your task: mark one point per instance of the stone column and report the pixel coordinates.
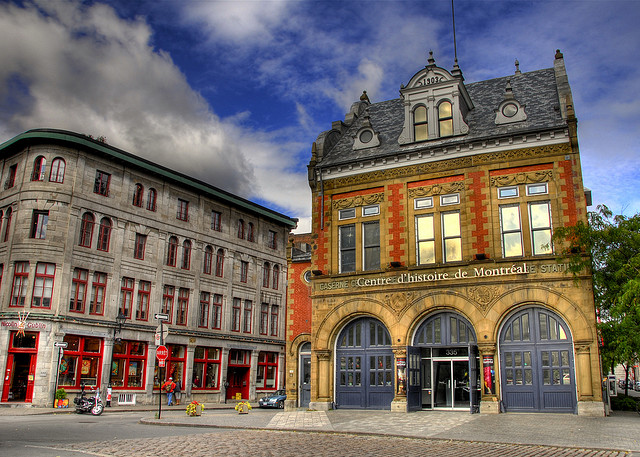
(489, 400)
(399, 403)
(321, 382)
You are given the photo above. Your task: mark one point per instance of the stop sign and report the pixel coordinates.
(162, 353)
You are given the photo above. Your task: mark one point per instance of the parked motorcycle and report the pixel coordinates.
(91, 405)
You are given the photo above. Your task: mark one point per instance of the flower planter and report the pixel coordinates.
(243, 409)
(198, 410)
(62, 403)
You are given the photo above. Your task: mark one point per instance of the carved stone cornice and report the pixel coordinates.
(358, 200)
(484, 296)
(522, 178)
(323, 355)
(436, 189)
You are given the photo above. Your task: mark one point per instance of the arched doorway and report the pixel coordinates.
(536, 363)
(443, 365)
(304, 369)
(364, 366)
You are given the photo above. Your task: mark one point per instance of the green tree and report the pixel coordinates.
(613, 243)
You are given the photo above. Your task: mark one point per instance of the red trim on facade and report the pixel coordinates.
(430, 182)
(570, 211)
(397, 225)
(508, 171)
(479, 207)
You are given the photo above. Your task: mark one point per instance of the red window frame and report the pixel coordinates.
(244, 271)
(182, 309)
(172, 251)
(208, 260)
(241, 229)
(104, 234)
(206, 368)
(98, 293)
(168, 296)
(273, 240)
(101, 185)
(144, 297)
(220, 263)
(20, 284)
(183, 210)
(39, 222)
(56, 174)
(11, 180)
(126, 296)
(267, 370)
(138, 194)
(87, 353)
(7, 227)
(175, 365)
(247, 316)
(216, 311)
(129, 357)
(43, 285)
(205, 304)
(250, 232)
(264, 319)
(39, 166)
(79, 284)
(186, 255)
(140, 243)
(151, 199)
(235, 315)
(266, 274)
(276, 277)
(86, 230)
(275, 310)
(216, 221)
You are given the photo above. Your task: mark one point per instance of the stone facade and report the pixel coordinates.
(100, 231)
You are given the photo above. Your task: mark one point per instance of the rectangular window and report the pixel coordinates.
(144, 297)
(126, 296)
(344, 214)
(372, 210)
(138, 251)
(371, 245)
(183, 210)
(205, 303)
(275, 311)
(235, 315)
(421, 203)
(511, 231)
(347, 234)
(11, 179)
(216, 221)
(426, 239)
(43, 285)
(183, 306)
(176, 361)
(267, 370)
(264, 318)
(98, 293)
(244, 271)
(273, 240)
(78, 290)
(206, 368)
(540, 217)
(452, 237)
(537, 189)
(20, 280)
(449, 199)
(128, 367)
(507, 192)
(248, 316)
(101, 185)
(216, 312)
(168, 294)
(39, 224)
(82, 362)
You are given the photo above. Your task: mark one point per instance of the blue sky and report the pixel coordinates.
(235, 92)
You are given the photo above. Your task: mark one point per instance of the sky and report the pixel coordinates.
(235, 92)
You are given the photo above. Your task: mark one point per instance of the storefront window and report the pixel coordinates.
(206, 368)
(174, 366)
(267, 370)
(81, 362)
(127, 368)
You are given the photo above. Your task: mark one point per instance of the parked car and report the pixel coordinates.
(637, 387)
(274, 400)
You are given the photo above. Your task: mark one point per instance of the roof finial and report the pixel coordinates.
(431, 60)
(364, 97)
(518, 72)
(559, 54)
(508, 91)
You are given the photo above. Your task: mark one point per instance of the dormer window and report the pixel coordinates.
(445, 119)
(366, 137)
(420, 124)
(510, 110)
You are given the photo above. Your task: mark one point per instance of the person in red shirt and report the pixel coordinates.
(169, 387)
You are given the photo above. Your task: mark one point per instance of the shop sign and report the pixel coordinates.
(27, 325)
(474, 272)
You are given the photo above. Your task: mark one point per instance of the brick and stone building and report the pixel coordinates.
(434, 281)
(96, 244)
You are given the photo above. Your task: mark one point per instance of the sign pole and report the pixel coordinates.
(60, 351)
(160, 370)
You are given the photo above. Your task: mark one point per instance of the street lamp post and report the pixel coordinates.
(120, 320)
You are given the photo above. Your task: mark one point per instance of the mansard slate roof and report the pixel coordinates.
(536, 90)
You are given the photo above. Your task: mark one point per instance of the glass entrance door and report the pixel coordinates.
(451, 388)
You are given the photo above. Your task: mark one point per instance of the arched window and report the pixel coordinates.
(266, 273)
(7, 226)
(208, 260)
(186, 255)
(137, 195)
(250, 232)
(445, 119)
(420, 124)
(38, 169)
(241, 229)
(104, 234)
(276, 277)
(86, 230)
(220, 263)
(57, 170)
(172, 252)
(151, 199)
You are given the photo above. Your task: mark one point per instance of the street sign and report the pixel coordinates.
(161, 363)
(60, 344)
(165, 333)
(161, 316)
(162, 353)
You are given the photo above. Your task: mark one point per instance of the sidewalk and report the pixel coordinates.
(620, 431)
